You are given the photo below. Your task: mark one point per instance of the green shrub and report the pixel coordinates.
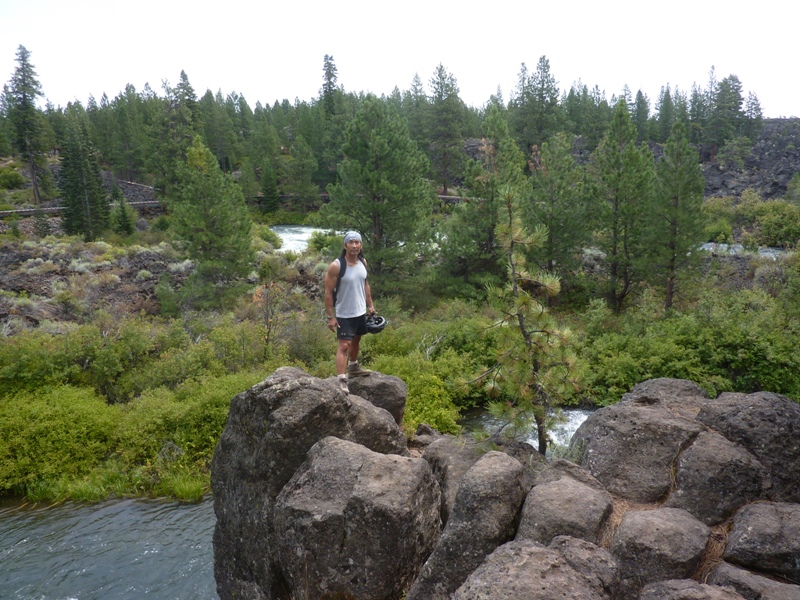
(11, 179)
(738, 341)
(50, 433)
(429, 398)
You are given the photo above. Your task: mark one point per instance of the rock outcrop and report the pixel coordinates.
(672, 495)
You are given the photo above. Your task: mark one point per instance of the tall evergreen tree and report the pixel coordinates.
(753, 118)
(296, 170)
(447, 119)
(330, 75)
(210, 215)
(640, 115)
(270, 201)
(415, 111)
(382, 191)
(625, 185)
(726, 116)
(122, 217)
(126, 139)
(86, 207)
(678, 224)
(557, 202)
(666, 115)
(26, 119)
(536, 108)
(471, 252)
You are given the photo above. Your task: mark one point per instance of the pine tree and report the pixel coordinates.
(678, 224)
(382, 191)
(25, 118)
(536, 369)
(329, 78)
(269, 188)
(210, 215)
(557, 202)
(640, 115)
(666, 115)
(86, 208)
(447, 118)
(471, 251)
(121, 217)
(537, 114)
(624, 177)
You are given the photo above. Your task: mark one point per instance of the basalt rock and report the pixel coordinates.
(316, 495)
(355, 523)
(485, 515)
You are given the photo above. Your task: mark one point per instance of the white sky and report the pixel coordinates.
(271, 50)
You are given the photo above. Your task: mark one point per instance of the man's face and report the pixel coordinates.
(353, 247)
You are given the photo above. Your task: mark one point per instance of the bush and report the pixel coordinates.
(53, 432)
(11, 179)
(730, 342)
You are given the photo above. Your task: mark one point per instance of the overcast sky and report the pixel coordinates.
(269, 51)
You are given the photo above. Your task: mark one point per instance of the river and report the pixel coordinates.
(294, 237)
(125, 549)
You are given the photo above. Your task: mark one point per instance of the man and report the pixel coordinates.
(347, 301)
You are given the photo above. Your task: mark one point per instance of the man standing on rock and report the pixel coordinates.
(347, 301)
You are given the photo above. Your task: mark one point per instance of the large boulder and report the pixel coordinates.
(270, 429)
(680, 396)
(752, 586)
(715, 477)
(352, 523)
(766, 537)
(768, 425)
(566, 500)
(630, 447)
(656, 545)
(485, 515)
(686, 589)
(451, 457)
(524, 569)
(384, 391)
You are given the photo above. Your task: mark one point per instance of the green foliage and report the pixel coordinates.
(123, 216)
(382, 191)
(86, 208)
(625, 182)
(55, 431)
(210, 215)
(535, 368)
(738, 341)
(429, 399)
(471, 251)
(326, 243)
(793, 189)
(734, 152)
(677, 228)
(11, 179)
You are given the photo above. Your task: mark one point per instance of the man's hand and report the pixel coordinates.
(332, 323)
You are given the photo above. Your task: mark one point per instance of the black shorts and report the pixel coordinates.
(351, 327)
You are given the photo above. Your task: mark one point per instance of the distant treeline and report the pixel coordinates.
(293, 148)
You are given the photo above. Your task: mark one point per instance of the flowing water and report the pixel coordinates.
(295, 237)
(127, 549)
(560, 434)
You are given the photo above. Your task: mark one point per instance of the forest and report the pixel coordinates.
(537, 252)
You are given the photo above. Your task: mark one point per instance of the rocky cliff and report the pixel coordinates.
(773, 160)
(671, 495)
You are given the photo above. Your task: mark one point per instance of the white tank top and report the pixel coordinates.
(351, 299)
